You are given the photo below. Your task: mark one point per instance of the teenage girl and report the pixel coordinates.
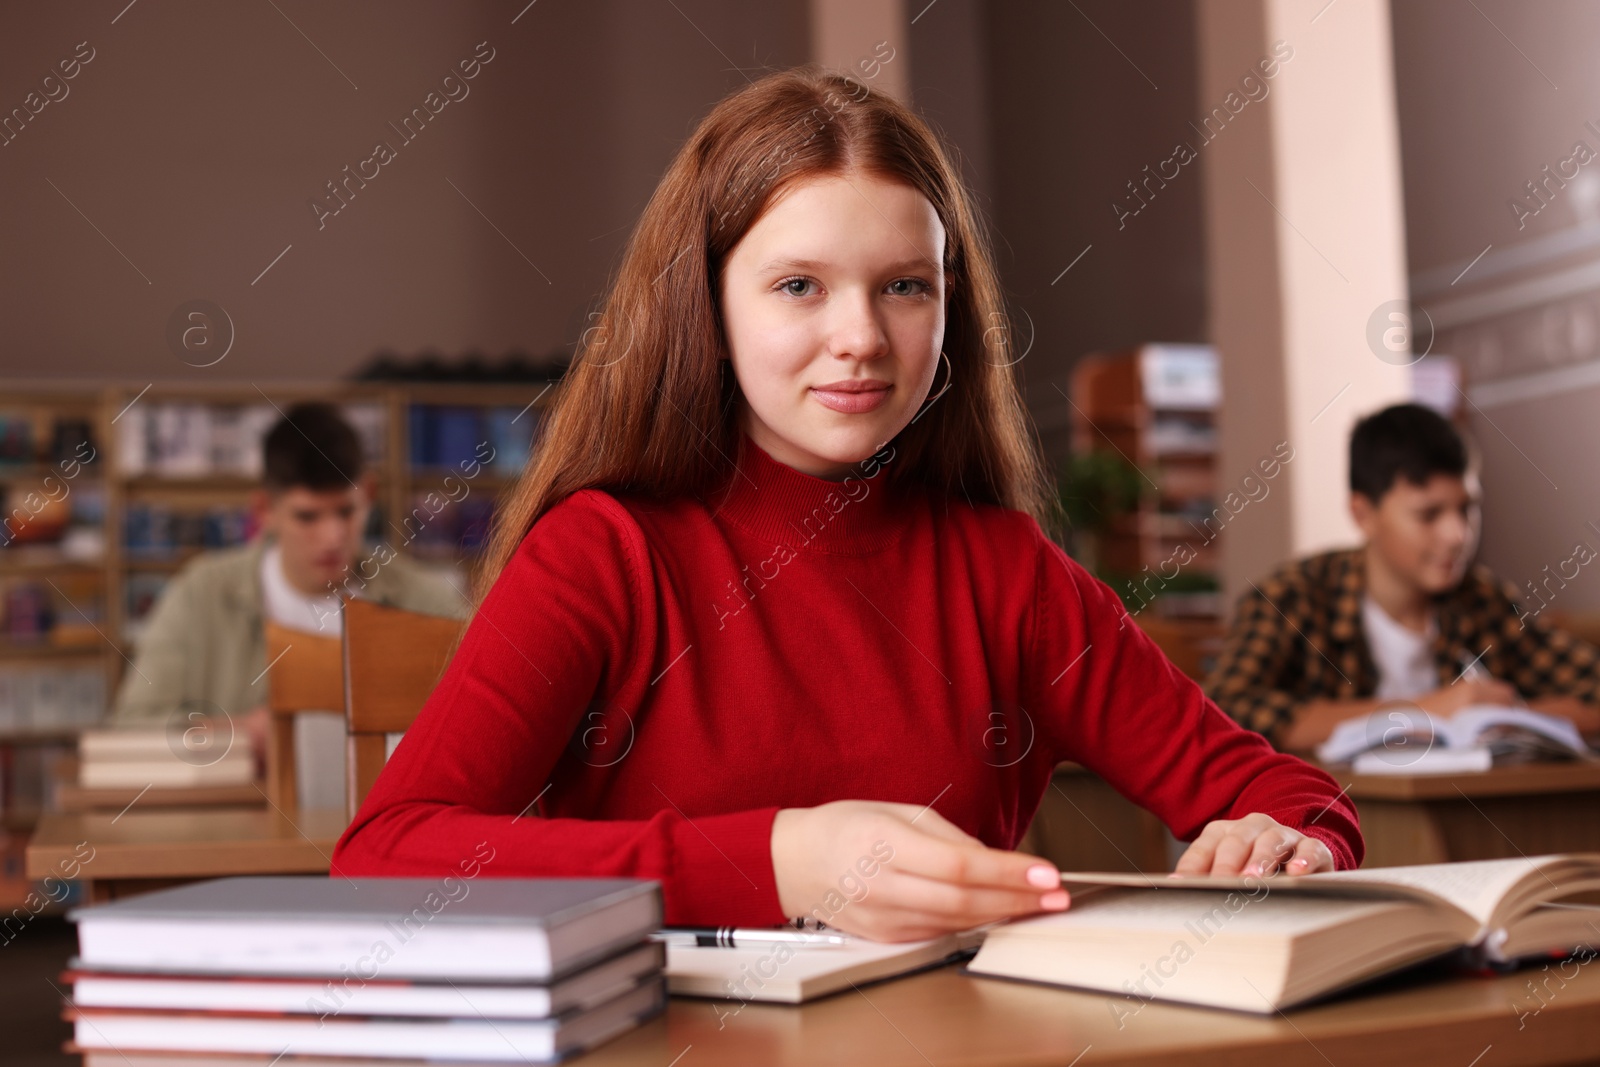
(772, 616)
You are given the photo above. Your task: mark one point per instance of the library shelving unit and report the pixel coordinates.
(1155, 408)
(105, 493)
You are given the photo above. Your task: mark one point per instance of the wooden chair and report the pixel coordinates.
(392, 659)
(306, 673)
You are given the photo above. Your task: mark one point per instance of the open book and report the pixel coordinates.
(1410, 740)
(1257, 944)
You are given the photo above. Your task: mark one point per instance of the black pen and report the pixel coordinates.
(734, 937)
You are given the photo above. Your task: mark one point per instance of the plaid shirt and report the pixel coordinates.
(1298, 637)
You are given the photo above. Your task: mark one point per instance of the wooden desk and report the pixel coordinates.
(946, 1018)
(1495, 814)
(143, 850)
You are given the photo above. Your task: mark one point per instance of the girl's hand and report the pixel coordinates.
(896, 872)
(1253, 846)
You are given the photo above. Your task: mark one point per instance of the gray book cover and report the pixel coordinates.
(543, 902)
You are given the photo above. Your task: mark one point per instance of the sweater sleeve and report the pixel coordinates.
(1109, 699)
(552, 636)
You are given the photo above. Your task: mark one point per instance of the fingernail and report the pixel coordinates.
(1253, 871)
(1056, 901)
(1044, 877)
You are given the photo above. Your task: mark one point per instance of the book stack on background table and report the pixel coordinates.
(493, 969)
(193, 754)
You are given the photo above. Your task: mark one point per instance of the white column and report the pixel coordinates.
(1305, 242)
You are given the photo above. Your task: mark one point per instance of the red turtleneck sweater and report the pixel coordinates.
(662, 678)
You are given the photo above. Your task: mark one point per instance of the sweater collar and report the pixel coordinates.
(773, 501)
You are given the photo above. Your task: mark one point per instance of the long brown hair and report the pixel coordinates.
(647, 406)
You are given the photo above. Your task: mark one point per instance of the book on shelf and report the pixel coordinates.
(460, 437)
(1259, 945)
(1408, 740)
(43, 698)
(186, 439)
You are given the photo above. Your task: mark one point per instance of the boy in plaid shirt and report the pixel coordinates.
(1407, 617)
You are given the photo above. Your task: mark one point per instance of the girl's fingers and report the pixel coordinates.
(1310, 856)
(1233, 851)
(1196, 859)
(960, 907)
(972, 865)
(1270, 850)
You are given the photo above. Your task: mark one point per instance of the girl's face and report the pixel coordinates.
(833, 308)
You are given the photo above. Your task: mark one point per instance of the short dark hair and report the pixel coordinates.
(1406, 440)
(311, 447)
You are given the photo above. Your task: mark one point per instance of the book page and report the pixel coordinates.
(1387, 729)
(1474, 886)
(1201, 912)
(1467, 726)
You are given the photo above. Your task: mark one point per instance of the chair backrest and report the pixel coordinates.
(305, 673)
(392, 659)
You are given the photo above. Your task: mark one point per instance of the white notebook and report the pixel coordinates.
(790, 975)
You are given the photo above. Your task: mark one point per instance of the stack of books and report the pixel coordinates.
(493, 969)
(192, 753)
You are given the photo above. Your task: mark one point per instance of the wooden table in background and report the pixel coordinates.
(947, 1018)
(143, 850)
(1512, 811)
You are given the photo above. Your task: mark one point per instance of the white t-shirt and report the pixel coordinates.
(288, 606)
(319, 736)
(1404, 658)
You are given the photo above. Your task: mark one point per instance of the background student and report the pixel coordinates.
(204, 650)
(768, 608)
(1406, 616)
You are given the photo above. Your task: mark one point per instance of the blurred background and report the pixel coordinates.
(1226, 229)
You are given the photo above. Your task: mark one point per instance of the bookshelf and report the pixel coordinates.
(89, 543)
(1154, 408)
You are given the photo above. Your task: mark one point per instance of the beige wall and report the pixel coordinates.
(1487, 101)
(195, 137)
(197, 134)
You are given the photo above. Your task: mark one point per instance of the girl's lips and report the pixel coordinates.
(852, 403)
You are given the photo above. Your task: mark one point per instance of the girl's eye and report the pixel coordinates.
(796, 286)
